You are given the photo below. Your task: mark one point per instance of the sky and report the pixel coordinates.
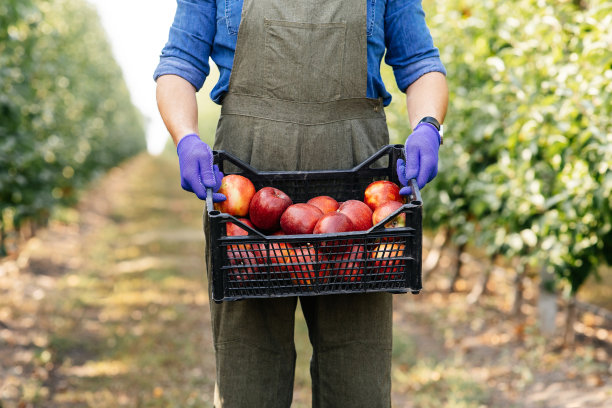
(137, 31)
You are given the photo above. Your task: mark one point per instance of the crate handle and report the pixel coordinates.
(392, 151)
(210, 207)
(245, 227)
(381, 224)
(218, 155)
(415, 196)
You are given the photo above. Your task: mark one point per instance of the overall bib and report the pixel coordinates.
(297, 101)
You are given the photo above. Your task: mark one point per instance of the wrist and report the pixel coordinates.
(432, 120)
(431, 127)
(186, 140)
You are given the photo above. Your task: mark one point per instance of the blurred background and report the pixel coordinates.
(103, 300)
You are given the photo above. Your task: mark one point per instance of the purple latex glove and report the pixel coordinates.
(197, 170)
(421, 157)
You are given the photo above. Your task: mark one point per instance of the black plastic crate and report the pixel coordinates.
(264, 266)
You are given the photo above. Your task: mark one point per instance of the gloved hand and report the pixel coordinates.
(421, 157)
(197, 170)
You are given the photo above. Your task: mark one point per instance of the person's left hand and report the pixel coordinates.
(421, 157)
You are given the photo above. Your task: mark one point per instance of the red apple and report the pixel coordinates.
(300, 218)
(244, 263)
(332, 223)
(267, 207)
(385, 260)
(276, 252)
(359, 213)
(234, 230)
(300, 262)
(238, 191)
(324, 203)
(349, 265)
(383, 212)
(381, 191)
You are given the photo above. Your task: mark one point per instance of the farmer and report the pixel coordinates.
(300, 89)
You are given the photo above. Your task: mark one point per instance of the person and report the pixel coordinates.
(300, 89)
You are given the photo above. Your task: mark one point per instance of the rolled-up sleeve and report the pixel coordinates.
(410, 49)
(190, 42)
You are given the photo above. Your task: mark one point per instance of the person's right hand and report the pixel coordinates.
(197, 170)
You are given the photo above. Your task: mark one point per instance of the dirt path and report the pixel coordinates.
(108, 308)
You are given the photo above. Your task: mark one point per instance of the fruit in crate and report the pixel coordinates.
(300, 263)
(359, 213)
(300, 218)
(348, 266)
(381, 191)
(273, 254)
(332, 223)
(243, 263)
(234, 230)
(385, 210)
(267, 207)
(238, 191)
(324, 203)
(387, 262)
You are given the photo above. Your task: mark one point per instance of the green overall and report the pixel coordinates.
(297, 101)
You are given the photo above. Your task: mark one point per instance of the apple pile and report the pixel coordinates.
(272, 212)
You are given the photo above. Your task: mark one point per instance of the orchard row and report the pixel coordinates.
(525, 169)
(66, 114)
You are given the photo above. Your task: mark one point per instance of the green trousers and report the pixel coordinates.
(351, 361)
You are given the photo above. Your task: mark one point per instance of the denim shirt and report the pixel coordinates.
(209, 28)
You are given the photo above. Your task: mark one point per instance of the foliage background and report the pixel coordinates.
(525, 165)
(65, 112)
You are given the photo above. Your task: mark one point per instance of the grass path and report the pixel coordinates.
(108, 308)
